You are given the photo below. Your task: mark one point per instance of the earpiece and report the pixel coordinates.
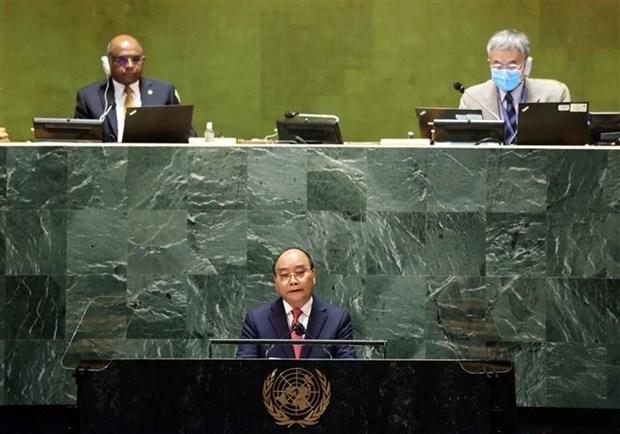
(528, 66)
(105, 63)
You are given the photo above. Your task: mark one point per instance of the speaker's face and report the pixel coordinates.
(126, 60)
(294, 277)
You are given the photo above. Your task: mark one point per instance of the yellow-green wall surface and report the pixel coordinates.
(243, 63)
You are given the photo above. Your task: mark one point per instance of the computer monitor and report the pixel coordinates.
(427, 115)
(67, 130)
(468, 131)
(604, 127)
(309, 128)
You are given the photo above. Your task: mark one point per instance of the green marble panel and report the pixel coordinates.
(157, 242)
(217, 178)
(97, 178)
(520, 307)
(457, 180)
(269, 232)
(35, 242)
(455, 243)
(277, 179)
(612, 245)
(396, 243)
(337, 180)
(337, 241)
(157, 178)
(159, 304)
(34, 307)
(517, 181)
(3, 312)
(613, 287)
(577, 312)
(516, 244)
(613, 376)
(611, 183)
(397, 180)
(82, 290)
(576, 244)
(574, 380)
(38, 178)
(34, 375)
(530, 364)
(217, 241)
(576, 183)
(96, 242)
(216, 305)
(394, 307)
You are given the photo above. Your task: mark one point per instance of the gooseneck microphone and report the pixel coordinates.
(458, 86)
(300, 330)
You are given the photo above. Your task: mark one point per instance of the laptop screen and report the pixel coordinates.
(426, 116)
(553, 123)
(158, 124)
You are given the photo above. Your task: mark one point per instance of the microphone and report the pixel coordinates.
(458, 86)
(300, 330)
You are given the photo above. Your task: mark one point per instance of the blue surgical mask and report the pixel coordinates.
(506, 79)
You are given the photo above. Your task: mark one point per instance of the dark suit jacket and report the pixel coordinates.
(269, 322)
(91, 102)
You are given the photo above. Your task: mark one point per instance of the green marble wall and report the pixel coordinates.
(444, 252)
(242, 63)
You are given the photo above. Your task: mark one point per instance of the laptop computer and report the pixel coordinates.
(158, 124)
(553, 123)
(426, 116)
(67, 130)
(604, 127)
(473, 131)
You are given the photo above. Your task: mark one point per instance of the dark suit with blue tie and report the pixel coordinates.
(91, 102)
(269, 322)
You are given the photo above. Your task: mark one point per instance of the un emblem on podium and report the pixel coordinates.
(296, 396)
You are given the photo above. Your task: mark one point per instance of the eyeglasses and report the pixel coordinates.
(509, 67)
(124, 60)
(284, 277)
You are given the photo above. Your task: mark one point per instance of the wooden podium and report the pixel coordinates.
(291, 396)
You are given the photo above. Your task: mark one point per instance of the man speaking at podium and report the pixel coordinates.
(296, 314)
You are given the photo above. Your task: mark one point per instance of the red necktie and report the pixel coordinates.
(296, 348)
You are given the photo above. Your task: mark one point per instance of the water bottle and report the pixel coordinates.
(209, 133)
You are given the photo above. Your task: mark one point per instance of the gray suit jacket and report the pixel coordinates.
(91, 102)
(536, 90)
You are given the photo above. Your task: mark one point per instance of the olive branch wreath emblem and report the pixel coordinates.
(280, 415)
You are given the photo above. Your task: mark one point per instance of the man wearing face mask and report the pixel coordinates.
(510, 84)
